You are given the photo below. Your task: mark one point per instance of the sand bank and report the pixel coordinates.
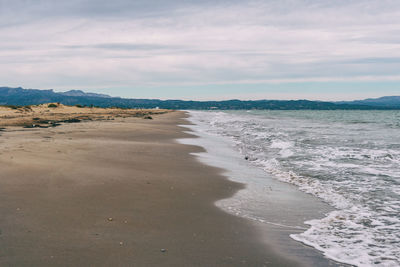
(118, 193)
(49, 115)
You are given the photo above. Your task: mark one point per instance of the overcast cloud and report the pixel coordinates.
(200, 49)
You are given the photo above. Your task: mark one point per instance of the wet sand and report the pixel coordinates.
(118, 193)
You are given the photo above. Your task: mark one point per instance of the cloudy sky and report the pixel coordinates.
(283, 49)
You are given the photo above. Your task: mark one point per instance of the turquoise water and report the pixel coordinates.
(349, 159)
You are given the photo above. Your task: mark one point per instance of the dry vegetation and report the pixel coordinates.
(52, 114)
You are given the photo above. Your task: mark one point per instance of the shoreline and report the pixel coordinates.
(281, 209)
(119, 193)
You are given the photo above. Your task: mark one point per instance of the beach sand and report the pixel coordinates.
(51, 114)
(118, 193)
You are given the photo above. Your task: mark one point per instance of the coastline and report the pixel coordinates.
(119, 193)
(277, 209)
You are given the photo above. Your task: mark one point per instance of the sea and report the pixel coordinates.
(348, 159)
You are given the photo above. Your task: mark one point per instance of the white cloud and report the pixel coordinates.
(88, 44)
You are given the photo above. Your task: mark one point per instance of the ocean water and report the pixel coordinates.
(348, 159)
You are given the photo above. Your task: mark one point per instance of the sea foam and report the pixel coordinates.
(353, 166)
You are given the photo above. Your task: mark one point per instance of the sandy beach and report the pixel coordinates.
(52, 114)
(118, 193)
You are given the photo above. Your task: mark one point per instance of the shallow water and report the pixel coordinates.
(349, 159)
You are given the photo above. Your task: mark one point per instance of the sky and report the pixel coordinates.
(203, 50)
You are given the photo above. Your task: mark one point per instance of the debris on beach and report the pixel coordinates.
(54, 114)
(73, 120)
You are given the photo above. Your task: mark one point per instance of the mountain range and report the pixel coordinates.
(20, 96)
(385, 101)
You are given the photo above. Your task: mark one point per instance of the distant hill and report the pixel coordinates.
(385, 101)
(20, 96)
(81, 93)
